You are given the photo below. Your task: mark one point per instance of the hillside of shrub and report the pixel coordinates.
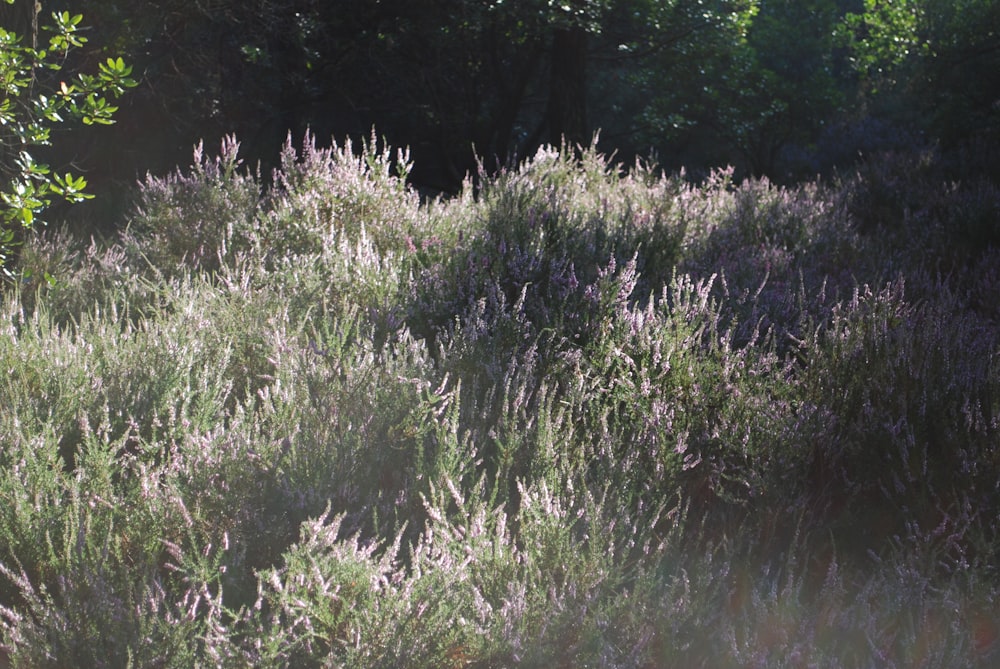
(581, 414)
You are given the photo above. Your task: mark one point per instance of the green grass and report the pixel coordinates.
(575, 416)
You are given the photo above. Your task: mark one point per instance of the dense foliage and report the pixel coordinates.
(574, 416)
(782, 88)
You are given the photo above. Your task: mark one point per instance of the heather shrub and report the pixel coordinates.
(915, 216)
(574, 416)
(544, 230)
(81, 550)
(332, 227)
(677, 403)
(82, 274)
(919, 425)
(199, 218)
(317, 191)
(971, 215)
(778, 252)
(887, 187)
(477, 586)
(99, 600)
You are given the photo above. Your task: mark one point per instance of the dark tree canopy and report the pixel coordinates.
(765, 85)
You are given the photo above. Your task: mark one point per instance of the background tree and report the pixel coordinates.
(450, 79)
(746, 83)
(771, 86)
(933, 66)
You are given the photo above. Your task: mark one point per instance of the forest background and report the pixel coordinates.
(786, 89)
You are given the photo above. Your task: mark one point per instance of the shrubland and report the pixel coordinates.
(576, 415)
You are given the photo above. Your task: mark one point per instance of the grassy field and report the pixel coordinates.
(577, 416)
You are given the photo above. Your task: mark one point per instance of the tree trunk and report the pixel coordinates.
(566, 115)
(21, 18)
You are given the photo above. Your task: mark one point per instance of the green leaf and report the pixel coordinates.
(31, 106)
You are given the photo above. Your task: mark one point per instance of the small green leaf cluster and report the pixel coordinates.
(33, 104)
(883, 37)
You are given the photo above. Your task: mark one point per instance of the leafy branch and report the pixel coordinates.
(29, 110)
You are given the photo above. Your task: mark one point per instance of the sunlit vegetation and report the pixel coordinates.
(576, 415)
